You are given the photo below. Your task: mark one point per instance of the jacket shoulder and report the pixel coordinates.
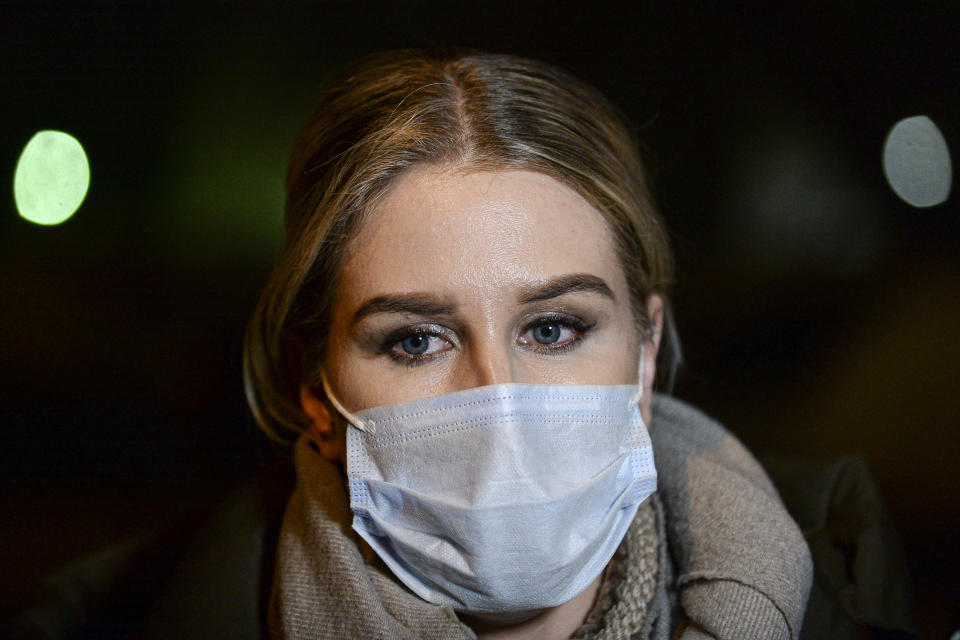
(220, 587)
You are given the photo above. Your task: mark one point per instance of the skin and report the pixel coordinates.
(461, 279)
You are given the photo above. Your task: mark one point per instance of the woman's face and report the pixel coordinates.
(462, 279)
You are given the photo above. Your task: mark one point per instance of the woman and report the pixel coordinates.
(462, 335)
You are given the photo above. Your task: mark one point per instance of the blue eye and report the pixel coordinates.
(416, 344)
(547, 333)
(554, 334)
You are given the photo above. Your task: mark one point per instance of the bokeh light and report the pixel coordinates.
(51, 178)
(916, 161)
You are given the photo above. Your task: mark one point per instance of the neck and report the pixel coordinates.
(558, 623)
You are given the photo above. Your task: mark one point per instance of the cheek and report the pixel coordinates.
(344, 370)
(611, 358)
(623, 357)
(362, 380)
(354, 384)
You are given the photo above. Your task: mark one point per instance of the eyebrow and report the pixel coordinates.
(421, 304)
(563, 285)
(425, 304)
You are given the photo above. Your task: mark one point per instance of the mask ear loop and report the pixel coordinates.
(349, 417)
(639, 394)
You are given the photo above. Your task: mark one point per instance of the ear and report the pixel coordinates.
(322, 429)
(651, 347)
(655, 313)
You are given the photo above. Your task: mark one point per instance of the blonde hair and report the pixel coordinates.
(407, 108)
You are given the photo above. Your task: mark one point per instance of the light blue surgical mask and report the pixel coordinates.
(500, 500)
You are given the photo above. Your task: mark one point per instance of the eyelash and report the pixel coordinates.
(391, 340)
(579, 326)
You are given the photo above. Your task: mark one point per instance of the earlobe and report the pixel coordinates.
(322, 429)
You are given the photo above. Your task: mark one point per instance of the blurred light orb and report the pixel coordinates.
(916, 162)
(51, 178)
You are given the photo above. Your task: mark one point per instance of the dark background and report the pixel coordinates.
(820, 313)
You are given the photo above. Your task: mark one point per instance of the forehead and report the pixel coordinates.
(448, 231)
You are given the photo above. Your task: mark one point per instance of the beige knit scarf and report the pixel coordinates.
(328, 584)
(624, 604)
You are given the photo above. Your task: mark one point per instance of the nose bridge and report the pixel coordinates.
(490, 362)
